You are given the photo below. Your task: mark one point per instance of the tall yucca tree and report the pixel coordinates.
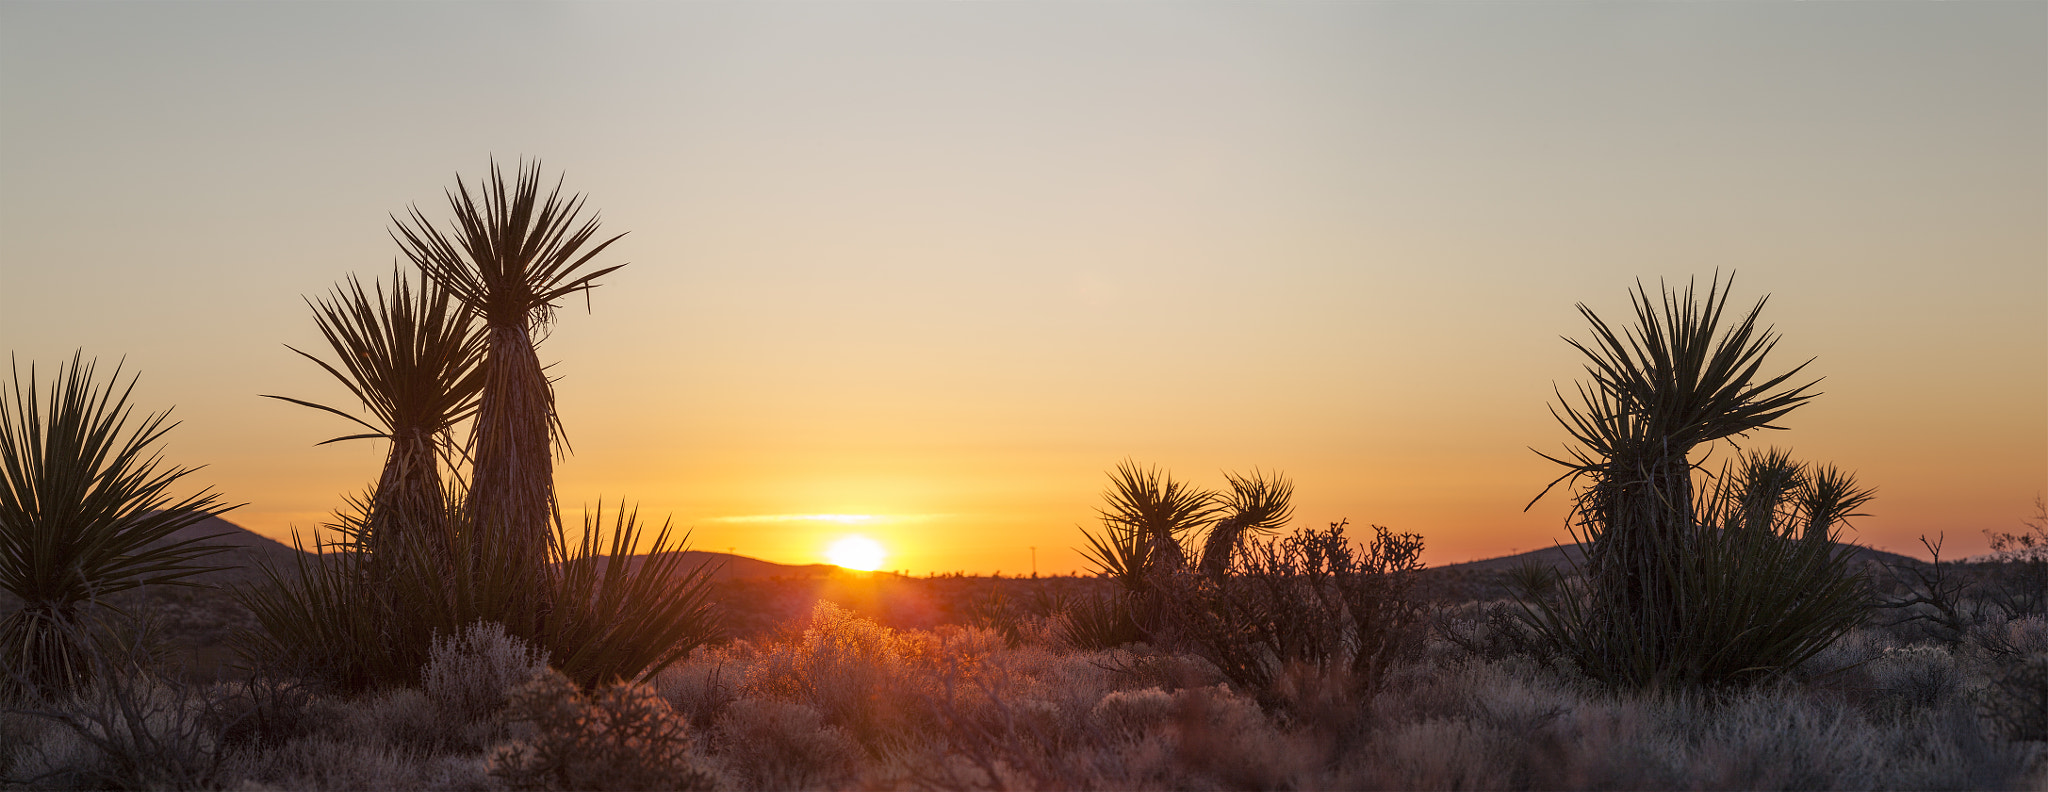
(85, 512)
(411, 357)
(510, 256)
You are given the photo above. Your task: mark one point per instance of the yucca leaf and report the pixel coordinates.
(84, 512)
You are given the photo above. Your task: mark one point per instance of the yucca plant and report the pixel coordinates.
(86, 512)
(1257, 505)
(614, 620)
(618, 622)
(411, 357)
(509, 257)
(1146, 515)
(1659, 562)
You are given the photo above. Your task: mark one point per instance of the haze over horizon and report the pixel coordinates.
(925, 272)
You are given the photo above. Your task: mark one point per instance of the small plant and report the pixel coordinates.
(620, 737)
(84, 513)
(469, 676)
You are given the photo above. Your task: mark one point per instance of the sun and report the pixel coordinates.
(857, 552)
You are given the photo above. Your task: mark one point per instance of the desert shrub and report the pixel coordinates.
(403, 719)
(2016, 700)
(1098, 620)
(620, 737)
(1312, 598)
(127, 730)
(774, 745)
(2018, 584)
(866, 678)
(470, 676)
(701, 689)
(1131, 713)
(329, 762)
(1921, 676)
(265, 711)
(1936, 600)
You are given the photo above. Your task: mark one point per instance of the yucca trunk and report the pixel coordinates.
(410, 511)
(1221, 543)
(512, 482)
(1643, 529)
(48, 647)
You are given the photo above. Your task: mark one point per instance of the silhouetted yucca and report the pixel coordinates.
(510, 256)
(411, 357)
(613, 621)
(84, 513)
(1146, 515)
(1680, 587)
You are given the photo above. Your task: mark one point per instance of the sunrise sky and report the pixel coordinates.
(926, 271)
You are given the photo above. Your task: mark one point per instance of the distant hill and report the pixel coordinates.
(727, 566)
(247, 550)
(1564, 556)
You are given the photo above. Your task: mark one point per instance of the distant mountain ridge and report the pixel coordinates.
(1565, 556)
(248, 549)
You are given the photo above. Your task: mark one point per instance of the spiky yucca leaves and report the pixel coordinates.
(1675, 380)
(1829, 497)
(510, 255)
(1147, 512)
(411, 357)
(616, 622)
(1257, 504)
(85, 512)
(1759, 595)
(613, 621)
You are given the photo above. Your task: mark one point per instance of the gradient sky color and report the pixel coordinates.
(925, 271)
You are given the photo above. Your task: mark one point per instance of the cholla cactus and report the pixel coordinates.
(621, 737)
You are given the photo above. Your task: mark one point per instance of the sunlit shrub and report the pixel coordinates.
(620, 737)
(471, 676)
(775, 745)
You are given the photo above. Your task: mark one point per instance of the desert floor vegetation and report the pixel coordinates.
(1712, 633)
(838, 700)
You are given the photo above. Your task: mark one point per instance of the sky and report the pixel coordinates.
(926, 272)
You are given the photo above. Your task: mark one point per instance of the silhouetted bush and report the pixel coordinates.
(1313, 599)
